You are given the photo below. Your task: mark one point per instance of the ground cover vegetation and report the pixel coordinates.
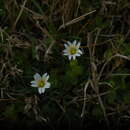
(64, 64)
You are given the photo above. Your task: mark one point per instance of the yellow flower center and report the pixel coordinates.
(41, 83)
(73, 50)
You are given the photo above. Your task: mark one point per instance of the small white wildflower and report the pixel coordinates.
(72, 50)
(41, 82)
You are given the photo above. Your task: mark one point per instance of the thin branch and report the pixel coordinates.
(119, 74)
(19, 15)
(85, 89)
(75, 20)
(100, 102)
(105, 64)
(95, 42)
(50, 36)
(105, 83)
(88, 97)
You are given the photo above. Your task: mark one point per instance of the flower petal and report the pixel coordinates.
(79, 51)
(65, 54)
(69, 43)
(44, 76)
(47, 77)
(37, 76)
(34, 85)
(74, 42)
(78, 54)
(40, 90)
(65, 45)
(74, 57)
(47, 85)
(33, 82)
(65, 51)
(70, 57)
(78, 45)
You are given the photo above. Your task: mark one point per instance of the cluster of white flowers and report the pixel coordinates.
(72, 51)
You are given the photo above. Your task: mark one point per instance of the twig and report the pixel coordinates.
(48, 50)
(36, 15)
(88, 97)
(105, 64)
(95, 42)
(75, 20)
(2, 92)
(19, 15)
(7, 99)
(50, 36)
(105, 83)
(119, 74)
(95, 82)
(84, 104)
(100, 102)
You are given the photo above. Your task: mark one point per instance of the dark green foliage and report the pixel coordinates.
(32, 41)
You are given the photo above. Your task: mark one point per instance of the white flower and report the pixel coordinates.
(72, 50)
(41, 82)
